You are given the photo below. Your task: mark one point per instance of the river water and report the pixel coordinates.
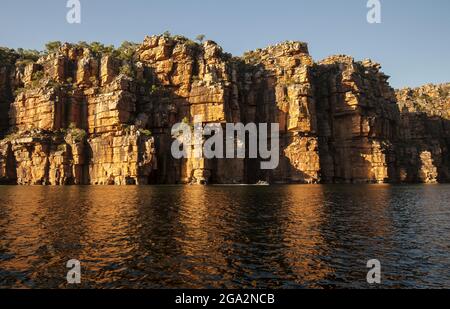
(225, 237)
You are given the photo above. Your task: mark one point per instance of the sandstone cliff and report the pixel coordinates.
(357, 116)
(84, 114)
(424, 133)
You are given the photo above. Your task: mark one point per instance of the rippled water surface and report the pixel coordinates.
(225, 237)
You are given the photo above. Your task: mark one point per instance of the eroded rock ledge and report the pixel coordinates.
(80, 116)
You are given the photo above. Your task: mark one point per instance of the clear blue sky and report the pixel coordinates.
(412, 42)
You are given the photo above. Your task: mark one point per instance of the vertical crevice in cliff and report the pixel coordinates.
(8, 59)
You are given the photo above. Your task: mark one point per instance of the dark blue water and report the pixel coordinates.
(225, 237)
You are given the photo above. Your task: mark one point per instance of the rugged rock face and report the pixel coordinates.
(7, 69)
(185, 80)
(424, 134)
(357, 116)
(83, 116)
(276, 86)
(71, 124)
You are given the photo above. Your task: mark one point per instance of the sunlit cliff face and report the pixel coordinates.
(90, 115)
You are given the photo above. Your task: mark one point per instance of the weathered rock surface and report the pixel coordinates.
(357, 117)
(424, 134)
(80, 116)
(73, 125)
(8, 59)
(276, 86)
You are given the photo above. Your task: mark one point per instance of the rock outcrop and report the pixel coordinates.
(71, 123)
(83, 115)
(8, 59)
(424, 134)
(276, 86)
(357, 117)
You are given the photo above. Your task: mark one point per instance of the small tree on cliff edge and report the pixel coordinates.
(200, 38)
(52, 47)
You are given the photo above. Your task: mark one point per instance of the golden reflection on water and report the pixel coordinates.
(200, 241)
(14, 216)
(110, 230)
(306, 214)
(230, 237)
(287, 231)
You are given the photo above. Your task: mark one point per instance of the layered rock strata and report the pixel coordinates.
(83, 116)
(358, 117)
(424, 134)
